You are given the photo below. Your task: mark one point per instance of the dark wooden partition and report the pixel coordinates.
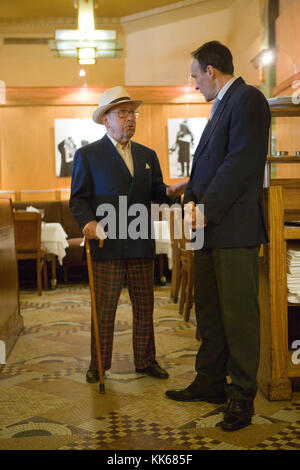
(11, 322)
(277, 370)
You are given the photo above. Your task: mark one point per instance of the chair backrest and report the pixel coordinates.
(28, 231)
(52, 209)
(174, 218)
(68, 222)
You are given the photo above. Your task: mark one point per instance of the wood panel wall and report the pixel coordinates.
(27, 154)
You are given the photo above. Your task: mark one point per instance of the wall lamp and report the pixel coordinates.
(268, 57)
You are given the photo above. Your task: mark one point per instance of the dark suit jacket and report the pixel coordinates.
(100, 176)
(228, 169)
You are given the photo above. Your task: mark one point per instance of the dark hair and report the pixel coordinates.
(215, 54)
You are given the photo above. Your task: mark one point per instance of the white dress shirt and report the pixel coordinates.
(225, 88)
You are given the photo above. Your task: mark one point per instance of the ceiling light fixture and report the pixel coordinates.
(86, 43)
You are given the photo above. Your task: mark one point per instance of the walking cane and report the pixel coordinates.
(94, 313)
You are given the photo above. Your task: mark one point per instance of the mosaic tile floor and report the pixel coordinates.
(45, 403)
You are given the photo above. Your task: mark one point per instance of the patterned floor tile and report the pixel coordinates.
(36, 443)
(37, 427)
(19, 403)
(247, 438)
(288, 439)
(45, 402)
(119, 431)
(287, 415)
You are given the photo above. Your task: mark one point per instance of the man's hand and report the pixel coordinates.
(94, 229)
(90, 229)
(193, 217)
(176, 190)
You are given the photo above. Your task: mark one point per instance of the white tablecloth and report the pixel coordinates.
(54, 239)
(163, 240)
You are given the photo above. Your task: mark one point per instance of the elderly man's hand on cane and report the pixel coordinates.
(94, 230)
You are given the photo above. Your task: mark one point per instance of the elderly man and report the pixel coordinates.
(102, 172)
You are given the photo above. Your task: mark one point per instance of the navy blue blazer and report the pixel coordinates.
(100, 176)
(228, 169)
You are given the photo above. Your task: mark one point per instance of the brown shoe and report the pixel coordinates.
(154, 370)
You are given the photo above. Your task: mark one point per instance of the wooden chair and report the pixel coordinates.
(28, 243)
(187, 277)
(183, 265)
(172, 216)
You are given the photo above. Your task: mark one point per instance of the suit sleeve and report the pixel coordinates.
(81, 191)
(158, 190)
(247, 147)
(188, 193)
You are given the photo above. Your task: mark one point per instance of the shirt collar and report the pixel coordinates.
(115, 142)
(225, 88)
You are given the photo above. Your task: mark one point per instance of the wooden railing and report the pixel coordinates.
(23, 195)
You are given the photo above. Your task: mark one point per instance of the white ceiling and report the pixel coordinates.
(37, 9)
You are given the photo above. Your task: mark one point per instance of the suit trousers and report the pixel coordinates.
(227, 312)
(109, 277)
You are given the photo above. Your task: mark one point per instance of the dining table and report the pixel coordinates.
(163, 246)
(54, 242)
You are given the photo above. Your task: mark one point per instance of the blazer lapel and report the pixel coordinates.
(211, 126)
(208, 130)
(138, 163)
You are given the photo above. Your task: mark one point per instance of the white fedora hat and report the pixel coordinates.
(109, 99)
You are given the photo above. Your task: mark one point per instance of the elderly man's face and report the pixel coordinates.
(118, 127)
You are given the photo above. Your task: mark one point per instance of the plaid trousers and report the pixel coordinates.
(109, 276)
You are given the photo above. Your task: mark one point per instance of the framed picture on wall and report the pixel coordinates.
(69, 135)
(183, 137)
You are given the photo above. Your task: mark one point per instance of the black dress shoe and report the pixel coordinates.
(237, 415)
(194, 392)
(154, 370)
(92, 376)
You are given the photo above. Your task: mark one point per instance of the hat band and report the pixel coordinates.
(120, 99)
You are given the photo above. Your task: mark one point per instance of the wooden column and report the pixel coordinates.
(11, 322)
(272, 376)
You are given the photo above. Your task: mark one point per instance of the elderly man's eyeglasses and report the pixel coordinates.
(123, 113)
